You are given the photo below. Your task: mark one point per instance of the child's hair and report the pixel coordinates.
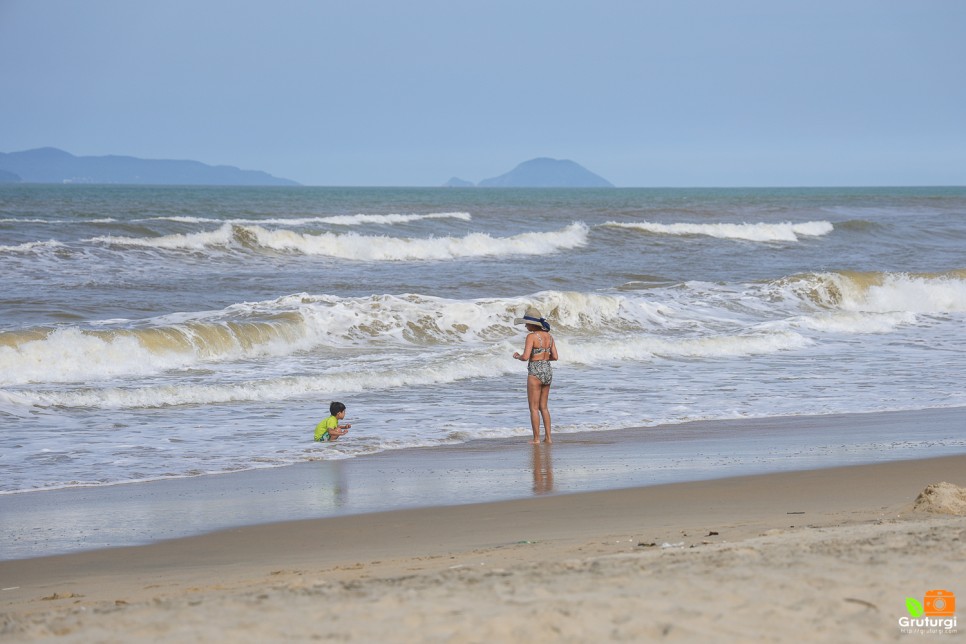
(336, 407)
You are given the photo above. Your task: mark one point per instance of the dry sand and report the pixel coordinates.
(822, 555)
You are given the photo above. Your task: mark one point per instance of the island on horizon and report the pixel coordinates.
(52, 165)
(541, 172)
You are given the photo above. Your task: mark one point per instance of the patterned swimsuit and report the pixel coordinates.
(540, 369)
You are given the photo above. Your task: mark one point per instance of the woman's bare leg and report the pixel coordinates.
(545, 411)
(533, 399)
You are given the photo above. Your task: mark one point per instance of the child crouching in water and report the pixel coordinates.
(330, 429)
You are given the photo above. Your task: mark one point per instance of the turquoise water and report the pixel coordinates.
(152, 332)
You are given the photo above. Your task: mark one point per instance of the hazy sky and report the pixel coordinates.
(412, 92)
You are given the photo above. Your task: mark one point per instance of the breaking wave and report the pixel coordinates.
(880, 292)
(761, 232)
(336, 220)
(387, 341)
(321, 323)
(353, 246)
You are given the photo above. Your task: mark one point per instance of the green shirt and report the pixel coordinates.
(322, 429)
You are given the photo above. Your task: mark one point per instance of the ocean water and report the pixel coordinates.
(154, 332)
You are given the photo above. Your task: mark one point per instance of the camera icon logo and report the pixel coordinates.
(939, 603)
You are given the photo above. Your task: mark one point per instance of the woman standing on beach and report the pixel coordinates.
(538, 352)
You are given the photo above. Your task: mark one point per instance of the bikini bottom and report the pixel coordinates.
(541, 370)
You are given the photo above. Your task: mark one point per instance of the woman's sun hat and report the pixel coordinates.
(532, 316)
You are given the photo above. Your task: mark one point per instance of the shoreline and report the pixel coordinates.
(840, 539)
(45, 522)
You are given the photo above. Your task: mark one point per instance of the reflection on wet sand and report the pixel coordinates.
(333, 486)
(542, 464)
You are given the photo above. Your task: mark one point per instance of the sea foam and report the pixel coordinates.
(440, 368)
(31, 246)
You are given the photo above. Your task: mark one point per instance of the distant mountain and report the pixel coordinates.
(50, 165)
(9, 177)
(548, 173)
(456, 182)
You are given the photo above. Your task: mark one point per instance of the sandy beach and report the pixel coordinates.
(815, 555)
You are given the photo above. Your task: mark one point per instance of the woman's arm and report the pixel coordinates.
(553, 348)
(527, 349)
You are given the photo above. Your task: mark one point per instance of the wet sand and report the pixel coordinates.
(70, 520)
(815, 555)
(799, 553)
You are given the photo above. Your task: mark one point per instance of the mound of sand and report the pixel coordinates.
(942, 498)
